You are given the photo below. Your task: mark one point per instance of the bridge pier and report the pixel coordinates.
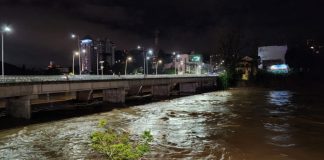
(115, 95)
(188, 88)
(159, 91)
(207, 85)
(19, 107)
(84, 95)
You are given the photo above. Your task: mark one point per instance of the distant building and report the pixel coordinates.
(271, 55)
(314, 46)
(53, 68)
(246, 68)
(187, 63)
(104, 50)
(86, 54)
(94, 51)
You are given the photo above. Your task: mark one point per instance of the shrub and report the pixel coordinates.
(223, 80)
(118, 145)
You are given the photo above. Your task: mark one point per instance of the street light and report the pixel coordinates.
(127, 59)
(75, 36)
(156, 66)
(144, 58)
(150, 52)
(175, 61)
(175, 68)
(198, 69)
(74, 54)
(102, 67)
(5, 29)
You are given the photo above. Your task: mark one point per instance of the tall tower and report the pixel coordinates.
(156, 42)
(86, 54)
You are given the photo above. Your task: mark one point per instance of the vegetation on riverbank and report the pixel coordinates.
(119, 144)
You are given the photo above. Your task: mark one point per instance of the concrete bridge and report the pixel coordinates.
(17, 91)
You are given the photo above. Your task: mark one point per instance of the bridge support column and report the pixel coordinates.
(207, 85)
(19, 107)
(188, 88)
(161, 91)
(84, 95)
(116, 95)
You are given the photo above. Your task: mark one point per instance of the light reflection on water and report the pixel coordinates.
(227, 125)
(279, 98)
(182, 124)
(278, 123)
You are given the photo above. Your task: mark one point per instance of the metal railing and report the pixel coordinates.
(57, 78)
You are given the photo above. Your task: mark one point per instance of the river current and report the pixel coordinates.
(244, 123)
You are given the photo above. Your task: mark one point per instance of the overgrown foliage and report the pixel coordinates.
(118, 145)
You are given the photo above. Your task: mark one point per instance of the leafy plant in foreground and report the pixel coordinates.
(118, 145)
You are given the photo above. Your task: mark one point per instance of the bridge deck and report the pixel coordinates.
(64, 78)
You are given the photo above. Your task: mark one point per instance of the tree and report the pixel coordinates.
(229, 46)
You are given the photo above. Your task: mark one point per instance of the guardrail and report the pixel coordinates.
(26, 79)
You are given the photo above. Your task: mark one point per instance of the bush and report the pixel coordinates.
(223, 80)
(118, 145)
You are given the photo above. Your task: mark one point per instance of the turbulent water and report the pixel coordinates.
(235, 124)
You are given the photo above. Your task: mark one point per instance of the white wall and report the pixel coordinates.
(272, 52)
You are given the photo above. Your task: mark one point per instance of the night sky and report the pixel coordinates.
(42, 28)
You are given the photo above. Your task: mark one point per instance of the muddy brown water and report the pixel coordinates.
(245, 123)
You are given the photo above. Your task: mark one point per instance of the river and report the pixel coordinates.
(244, 123)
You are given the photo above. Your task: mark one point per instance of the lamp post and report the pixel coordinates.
(145, 58)
(5, 29)
(74, 54)
(98, 62)
(101, 67)
(175, 68)
(75, 36)
(156, 65)
(174, 62)
(127, 59)
(150, 52)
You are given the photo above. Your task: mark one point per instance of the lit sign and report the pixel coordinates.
(279, 68)
(86, 41)
(195, 58)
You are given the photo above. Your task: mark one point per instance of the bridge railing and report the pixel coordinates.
(53, 78)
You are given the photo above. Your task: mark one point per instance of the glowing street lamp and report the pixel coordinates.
(127, 59)
(74, 54)
(5, 29)
(175, 57)
(144, 58)
(101, 67)
(75, 36)
(156, 66)
(150, 51)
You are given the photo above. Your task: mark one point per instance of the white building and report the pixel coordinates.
(187, 64)
(271, 55)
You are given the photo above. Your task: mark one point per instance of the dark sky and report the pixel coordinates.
(42, 27)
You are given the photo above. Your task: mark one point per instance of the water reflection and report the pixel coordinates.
(278, 123)
(182, 126)
(279, 98)
(230, 125)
